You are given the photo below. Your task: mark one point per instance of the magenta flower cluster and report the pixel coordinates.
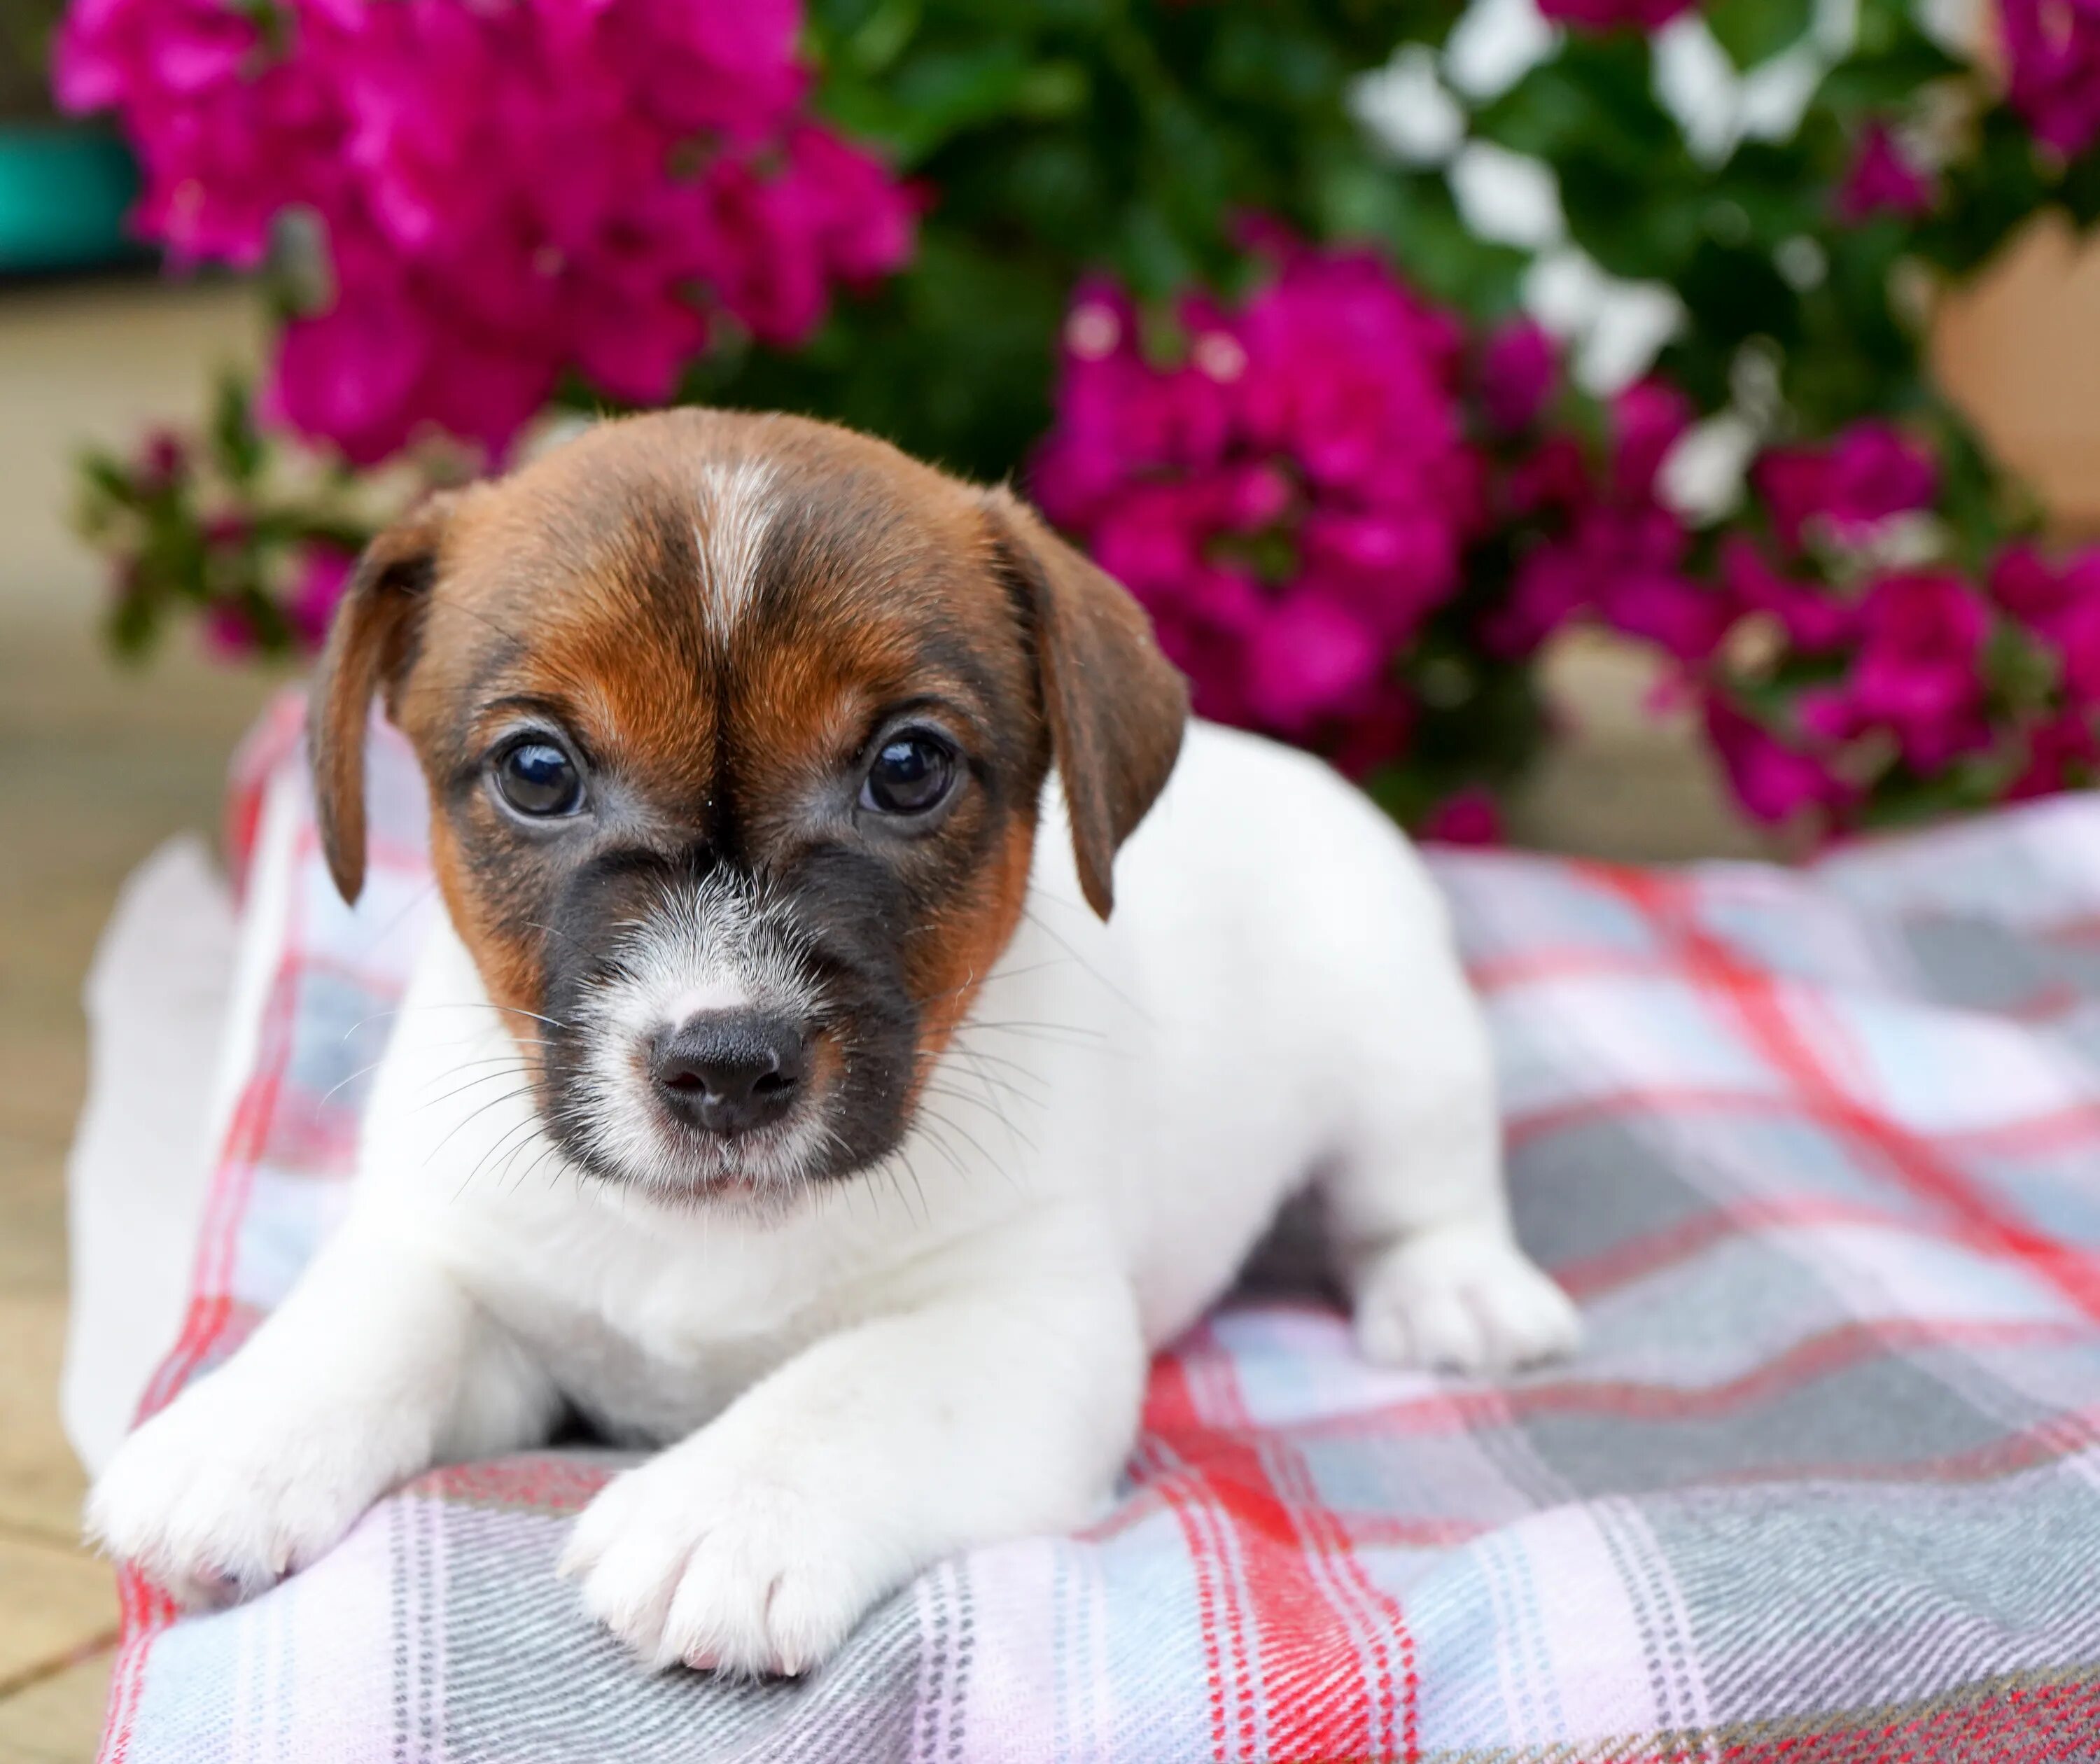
(508, 193)
(1908, 662)
(1883, 178)
(1614, 15)
(2052, 50)
(1609, 547)
(1290, 495)
(1894, 658)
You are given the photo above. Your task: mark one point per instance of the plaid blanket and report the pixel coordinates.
(1816, 1151)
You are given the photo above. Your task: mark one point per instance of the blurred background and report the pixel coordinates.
(1641, 427)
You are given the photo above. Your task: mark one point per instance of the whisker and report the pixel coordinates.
(322, 1100)
(1086, 967)
(472, 1116)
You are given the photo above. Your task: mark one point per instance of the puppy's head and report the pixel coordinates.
(736, 729)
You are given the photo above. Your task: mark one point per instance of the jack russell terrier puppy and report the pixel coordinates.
(869, 1016)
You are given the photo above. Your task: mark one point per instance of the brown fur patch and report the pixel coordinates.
(724, 672)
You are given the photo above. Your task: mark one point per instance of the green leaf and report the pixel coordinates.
(106, 478)
(2078, 188)
(1753, 31)
(1597, 97)
(236, 444)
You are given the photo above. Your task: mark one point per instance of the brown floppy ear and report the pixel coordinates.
(368, 647)
(1116, 707)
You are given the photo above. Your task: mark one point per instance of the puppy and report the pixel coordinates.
(869, 1018)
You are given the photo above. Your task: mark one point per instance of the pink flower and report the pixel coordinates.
(1773, 782)
(1621, 554)
(1469, 816)
(1649, 419)
(1517, 370)
(507, 194)
(1553, 479)
(1812, 616)
(229, 632)
(1554, 584)
(2052, 53)
(2061, 605)
(2041, 595)
(2024, 582)
(1882, 181)
(1918, 673)
(1375, 732)
(1614, 15)
(164, 460)
(1289, 500)
(1639, 584)
(1311, 658)
(1626, 565)
(2077, 643)
(324, 574)
(1870, 472)
(2063, 753)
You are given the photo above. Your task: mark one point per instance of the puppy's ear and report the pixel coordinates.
(1116, 707)
(368, 647)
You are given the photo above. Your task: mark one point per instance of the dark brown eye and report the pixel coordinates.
(913, 772)
(536, 778)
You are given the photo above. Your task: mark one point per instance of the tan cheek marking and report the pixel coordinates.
(962, 949)
(508, 967)
(826, 1066)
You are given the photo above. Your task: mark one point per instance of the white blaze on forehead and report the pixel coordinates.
(735, 507)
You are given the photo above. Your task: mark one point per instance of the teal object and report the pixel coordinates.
(64, 194)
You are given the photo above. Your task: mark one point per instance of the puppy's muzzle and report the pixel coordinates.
(729, 1071)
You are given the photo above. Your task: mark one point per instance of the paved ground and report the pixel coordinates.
(95, 769)
(97, 766)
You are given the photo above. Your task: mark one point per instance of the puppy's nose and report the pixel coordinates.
(729, 1071)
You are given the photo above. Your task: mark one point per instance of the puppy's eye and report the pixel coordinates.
(536, 778)
(913, 772)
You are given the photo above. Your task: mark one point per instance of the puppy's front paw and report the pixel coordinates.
(1463, 1298)
(703, 1557)
(233, 1486)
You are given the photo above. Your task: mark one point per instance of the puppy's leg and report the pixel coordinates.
(1417, 1208)
(756, 1545)
(376, 1366)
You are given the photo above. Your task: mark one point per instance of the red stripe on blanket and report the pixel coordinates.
(266, 746)
(211, 1305)
(1531, 967)
(1313, 1639)
(1472, 1409)
(2056, 1130)
(2016, 1724)
(1759, 1004)
(1170, 1413)
(1332, 1545)
(1636, 1258)
(143, 1610)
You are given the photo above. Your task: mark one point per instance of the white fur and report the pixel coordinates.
(735, 509)
(713, 947)
(945, 1351)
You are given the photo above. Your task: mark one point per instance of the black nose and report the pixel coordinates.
(729, 1071)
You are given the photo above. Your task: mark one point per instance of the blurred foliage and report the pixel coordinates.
(1056, 137)
(1053, 140)
(209, 526)
(25, 39)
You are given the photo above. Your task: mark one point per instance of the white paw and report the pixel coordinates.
(698, 1559)
(1462, 1299)
(232, 1487)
